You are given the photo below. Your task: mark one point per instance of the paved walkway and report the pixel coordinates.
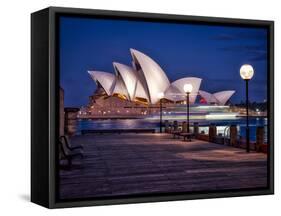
(122, 164)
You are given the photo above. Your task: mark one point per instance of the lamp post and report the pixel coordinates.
(187, 89)
(160, 96)
(246, 73)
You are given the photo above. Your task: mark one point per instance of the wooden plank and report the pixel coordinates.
(124, 164)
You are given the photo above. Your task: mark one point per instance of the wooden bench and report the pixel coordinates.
(68, 154)
(176, 133)
(65, 140)
(186, 136)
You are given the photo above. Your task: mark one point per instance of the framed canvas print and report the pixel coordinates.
(139, 107)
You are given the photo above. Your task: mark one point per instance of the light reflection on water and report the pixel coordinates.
(87, 124)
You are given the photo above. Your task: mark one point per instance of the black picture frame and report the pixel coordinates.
(45, 104)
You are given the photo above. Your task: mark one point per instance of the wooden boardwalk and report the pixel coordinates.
(122, 164)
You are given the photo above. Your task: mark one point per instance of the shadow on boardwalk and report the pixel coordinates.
(126, 164)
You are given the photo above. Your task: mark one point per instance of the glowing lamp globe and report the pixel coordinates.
(246, 72)
(187, 88)
(160, 95)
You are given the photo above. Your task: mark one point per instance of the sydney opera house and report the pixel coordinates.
(136, 89)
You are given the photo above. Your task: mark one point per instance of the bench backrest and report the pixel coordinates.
(64, 150)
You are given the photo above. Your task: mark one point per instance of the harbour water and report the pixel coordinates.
(221, 124)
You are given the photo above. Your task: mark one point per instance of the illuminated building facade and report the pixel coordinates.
(138, 87)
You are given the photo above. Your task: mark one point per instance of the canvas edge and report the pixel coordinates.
(53, 11)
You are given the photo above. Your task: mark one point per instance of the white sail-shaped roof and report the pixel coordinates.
(119, 87)
(219, 98)
(150, 74)
(223, 96)
(140, 92)
(129, 78)
(176, 92)
(106, 80)
(145, 79)
(210, 98)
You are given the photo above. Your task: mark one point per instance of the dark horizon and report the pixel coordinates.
(213, 53)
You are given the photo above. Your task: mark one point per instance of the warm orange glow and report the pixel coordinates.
(141, 101)
(123, 97)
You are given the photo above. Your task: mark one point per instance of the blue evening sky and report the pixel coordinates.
(213, 53)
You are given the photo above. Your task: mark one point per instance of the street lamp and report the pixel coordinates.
(160, 97)
(187, 89)
(246, 73)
